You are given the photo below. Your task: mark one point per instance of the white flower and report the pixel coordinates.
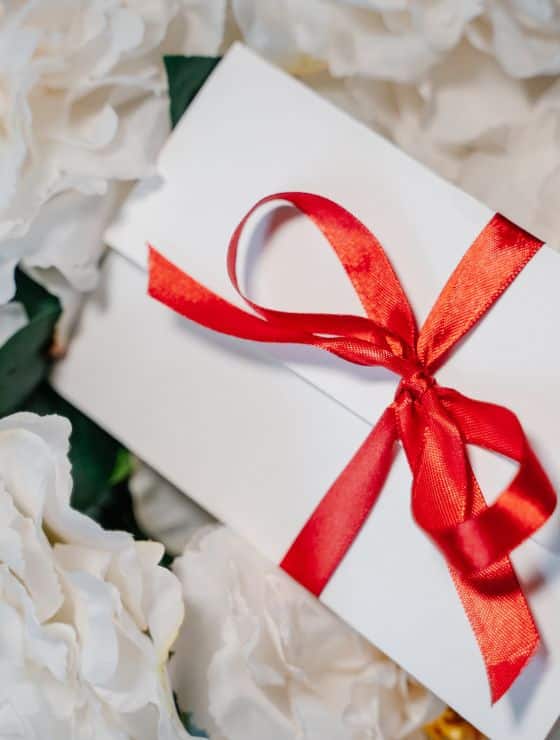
(502, 148)
(87, 617)
(524, 35)
(402, 40)
(258, 657)
(61, 251)
(82, 103)
(384, 40)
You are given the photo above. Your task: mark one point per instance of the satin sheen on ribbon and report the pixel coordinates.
(434, 424)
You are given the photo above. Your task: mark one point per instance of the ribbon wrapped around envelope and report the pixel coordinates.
(434, 424)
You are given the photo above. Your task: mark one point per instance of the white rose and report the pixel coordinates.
(83, 103)
(394, 41)
(523, 35)
(258, 657)
(502, 148)
(87, 617)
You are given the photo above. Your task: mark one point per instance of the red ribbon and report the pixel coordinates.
(433, 423)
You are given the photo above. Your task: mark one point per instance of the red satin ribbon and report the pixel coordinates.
(433, 423)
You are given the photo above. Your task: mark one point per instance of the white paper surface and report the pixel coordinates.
(256, 444)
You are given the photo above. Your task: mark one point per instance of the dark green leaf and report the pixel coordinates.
(189, 724)
(185, 76)
(115, 511)
(23, 358)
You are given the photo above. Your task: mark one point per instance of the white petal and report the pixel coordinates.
(203, 26)
(94, 607)
(68, 237)
(88, 616)
(280, 664)
(162, 602)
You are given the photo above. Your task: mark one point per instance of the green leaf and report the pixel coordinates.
(188, 722)
(123, 467)
(23, 358)
(185, 76)
(190, 726)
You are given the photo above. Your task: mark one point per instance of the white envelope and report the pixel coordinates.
(257, 434)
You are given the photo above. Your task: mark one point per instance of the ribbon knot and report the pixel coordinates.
(434, 424)
(414, 386)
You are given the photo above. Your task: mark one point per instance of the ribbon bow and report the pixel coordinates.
(433, 423)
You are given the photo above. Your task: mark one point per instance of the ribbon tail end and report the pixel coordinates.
(154, 260)
(504, 674)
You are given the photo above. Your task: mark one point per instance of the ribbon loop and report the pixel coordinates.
(359, 252)
(434, 424)
(521, 508)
